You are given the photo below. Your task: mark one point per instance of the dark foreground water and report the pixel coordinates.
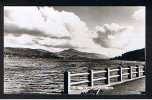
(31, 75)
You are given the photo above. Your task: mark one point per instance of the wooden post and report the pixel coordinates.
(120, 73)
(138, 70)
(130, 72)
(67, 80)
(107, 76)
(144, 69)
(90, 78)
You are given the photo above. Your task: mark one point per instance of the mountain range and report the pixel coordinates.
(71, 54)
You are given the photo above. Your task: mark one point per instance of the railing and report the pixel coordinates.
(121, 72)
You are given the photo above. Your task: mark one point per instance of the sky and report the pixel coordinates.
(108, 30)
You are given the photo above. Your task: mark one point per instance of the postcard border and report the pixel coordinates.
(148, 48)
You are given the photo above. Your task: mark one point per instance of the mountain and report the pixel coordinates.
(26, 52)
(136, 55)
(75, 54)
(69, 54)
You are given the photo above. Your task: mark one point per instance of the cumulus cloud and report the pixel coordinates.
(139, 14)
(47, 27)
(16, 30)
(113, 35)
(28, 41)
(53, 30)
(30, 20)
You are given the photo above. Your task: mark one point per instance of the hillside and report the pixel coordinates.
(75, 54)
(72, 54)
(136, 55)
(26, 52)
(69, 54)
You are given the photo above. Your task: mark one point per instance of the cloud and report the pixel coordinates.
(30, 18)
(53, 30)
(27, 41)
(112, 35)
(139, 14)
(6, 14)
(63, 45)
(56, 43)
(47, 27)
(16, 30)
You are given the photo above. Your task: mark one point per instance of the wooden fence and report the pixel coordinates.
(139, 71)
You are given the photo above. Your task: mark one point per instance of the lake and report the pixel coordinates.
(45, 76)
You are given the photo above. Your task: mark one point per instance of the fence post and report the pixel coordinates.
(138, 70)
(120, 73)
(67, 80)
(90, 78)
(144, 69)
(130, 72)
(107, 76)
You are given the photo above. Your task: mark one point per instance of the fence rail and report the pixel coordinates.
(121, 72)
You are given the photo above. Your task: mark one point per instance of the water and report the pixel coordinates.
(35, 75)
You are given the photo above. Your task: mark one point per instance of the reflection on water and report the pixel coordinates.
(25, 75)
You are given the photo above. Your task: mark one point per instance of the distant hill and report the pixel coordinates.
(136, 55)
(75, 54)
(26, 52)
(69, 54)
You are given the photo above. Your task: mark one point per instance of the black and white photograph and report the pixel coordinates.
(74, 50)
